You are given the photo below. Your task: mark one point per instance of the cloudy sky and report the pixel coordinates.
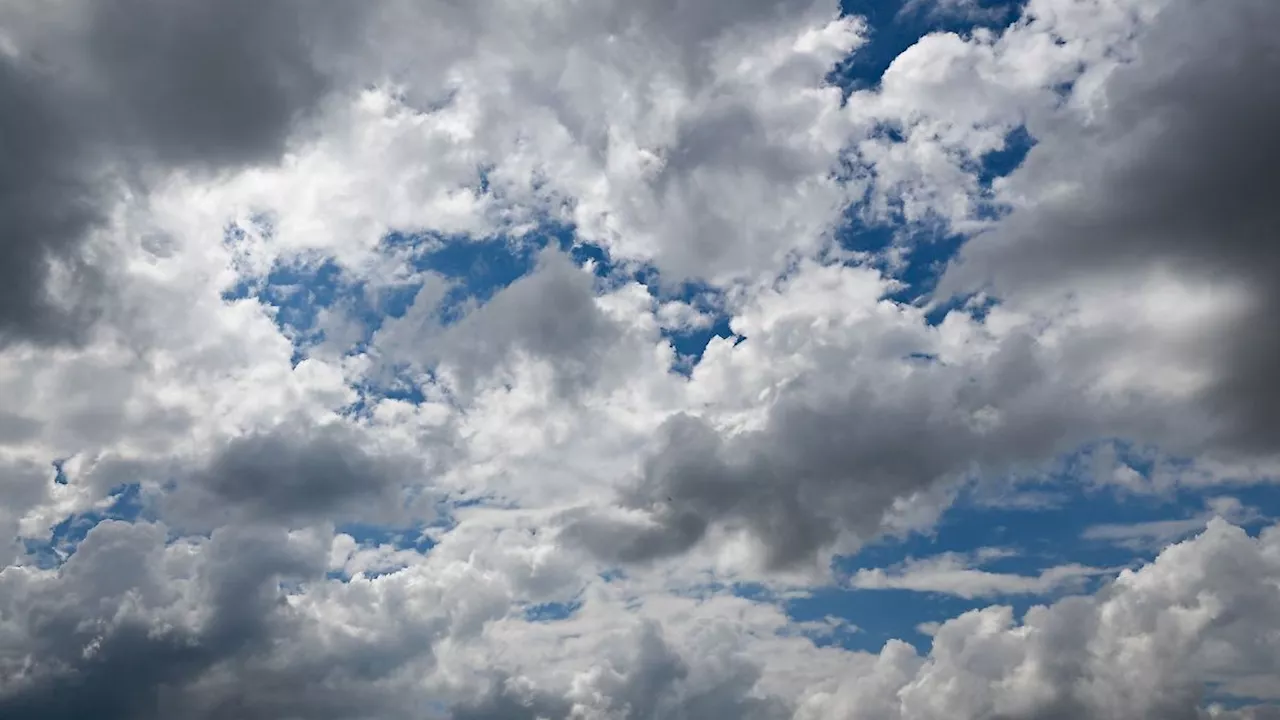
(639, 359)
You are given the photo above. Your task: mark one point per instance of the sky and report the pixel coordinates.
(639, 359)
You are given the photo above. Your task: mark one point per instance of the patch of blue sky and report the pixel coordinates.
(395, 385)
(300, 291)
(1036, 537)
(551, 611)
(879, 615)
(59, 472)
(477, 267)
(1000, 163)
(126, 504)
(613, 574)
(915, 258)
(922, 252)
(482, 268)
(896, 25)
(1216, 695)
(416, 537)
(691, 344)
(916, 254)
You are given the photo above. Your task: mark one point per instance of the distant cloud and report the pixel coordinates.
(960, 574)
(1159, 533)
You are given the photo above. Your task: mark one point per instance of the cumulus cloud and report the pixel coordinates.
(608, 489)
(289, 475)
(868, 416)
(171, 614)
(829, 456)
(1171, 171)
(1140, 648)
(97, 95)
(550, 314)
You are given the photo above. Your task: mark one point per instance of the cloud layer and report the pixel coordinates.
(564, 360)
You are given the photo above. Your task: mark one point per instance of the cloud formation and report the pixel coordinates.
(1173, 172)
(507, 360)
(100, 93)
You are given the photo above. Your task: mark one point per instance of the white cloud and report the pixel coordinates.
(699, 138)
(1135, 650)
(960, 574)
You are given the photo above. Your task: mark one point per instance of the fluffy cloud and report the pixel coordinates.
(1135, 650)
(98, 97)
(1170, 172)
(266, 451)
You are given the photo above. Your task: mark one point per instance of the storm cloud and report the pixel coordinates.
(98, 95)
(1177, 172)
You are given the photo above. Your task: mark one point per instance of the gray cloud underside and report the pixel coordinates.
(136, 626)
(549, 314)
(99, 93)
(829, 461)
(1178, 171)
(294, 475)
(1181, 170)
(655, 683)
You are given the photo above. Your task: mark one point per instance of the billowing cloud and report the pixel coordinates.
(550, 360)
(1140, 648)
(100, 92)
(1172, 172)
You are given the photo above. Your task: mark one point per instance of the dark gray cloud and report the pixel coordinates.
(99, 92)
(292, 473)
(210, 84)
(47, 203)
(1179, 171)
(133, 628)
(92, 657)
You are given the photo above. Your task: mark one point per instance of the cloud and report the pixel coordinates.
(972, 11)
(650, 680)
(47, 204)
(956, 574)
(836, 447)
(97, 96)
(850, 431)
(1159, 533)
(117, 603)
(505, 703)
(1140, 648)
(296, 473)
(173, 159)
(1171, 171)
(550, 314)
